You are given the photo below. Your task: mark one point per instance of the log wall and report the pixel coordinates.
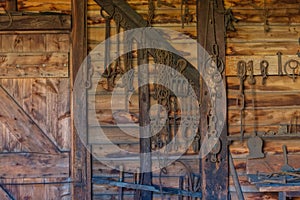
(264, 29)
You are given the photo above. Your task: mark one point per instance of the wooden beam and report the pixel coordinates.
(22, 127)
(11, 5)
(81, 159)
(214, 175)
(15, 65)
(20, 165)
(27, 22)
(144, 121)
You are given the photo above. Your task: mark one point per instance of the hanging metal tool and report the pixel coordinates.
(240, 101)
(279, 54)
(255, 146)
(293, 65)
(286, 167)
(107, 70)
(264, 70)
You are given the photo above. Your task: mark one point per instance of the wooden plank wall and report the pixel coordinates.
(35, 72)
(165, 17)
(276, 103)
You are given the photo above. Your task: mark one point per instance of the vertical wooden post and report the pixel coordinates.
(80, 161)
(144, 105)
(11, 5)
(214, 175)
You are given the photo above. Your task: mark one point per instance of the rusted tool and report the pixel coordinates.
(279, 54)
(286, 167)
(255, 145)
(291, 65)
(264, 70)
(240, 101)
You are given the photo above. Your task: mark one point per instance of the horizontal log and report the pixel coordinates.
(277, 16)
(266, 48)
(232, 62)
(260, 4)
(175, 169)
(161, 16)
(97, 34)
(13, 65)
(271, 163)
(274, 84)
(34, 165)
(100, 135)
(44, 6)
(265, 117)
(142, 5)
(260, 100)
(153, 188)
(250, 33)
(36, 22)
(239, 149)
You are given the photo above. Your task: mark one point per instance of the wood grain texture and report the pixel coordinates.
(14, 65)
(34, 42)
(63, 6)
(248, 33)
(80, 157)
(46, 101)
(23, 127)
(271, 163)
(274, 84)
(35, 22)
(20, 165)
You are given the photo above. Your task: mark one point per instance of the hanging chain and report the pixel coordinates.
(151, 10)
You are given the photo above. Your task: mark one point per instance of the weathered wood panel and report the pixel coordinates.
(35, 22)
(271, 164)
(256, 33)
(14, 65)
(34, 42)
(266, 48)
(274, 84)
(45, 5)
(22, 127)
(20, 165)
(27, 189)
(46, 101)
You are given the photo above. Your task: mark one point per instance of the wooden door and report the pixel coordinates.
(35, 130)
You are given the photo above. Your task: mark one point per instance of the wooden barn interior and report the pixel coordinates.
(198, 101)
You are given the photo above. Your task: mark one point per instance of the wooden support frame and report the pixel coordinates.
(214, 175)
(19, 21)
(80, 158)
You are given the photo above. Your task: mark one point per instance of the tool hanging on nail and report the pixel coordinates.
(279, 54)
(264, 70)
(286, 167)
(240, 101)
(293, 65)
